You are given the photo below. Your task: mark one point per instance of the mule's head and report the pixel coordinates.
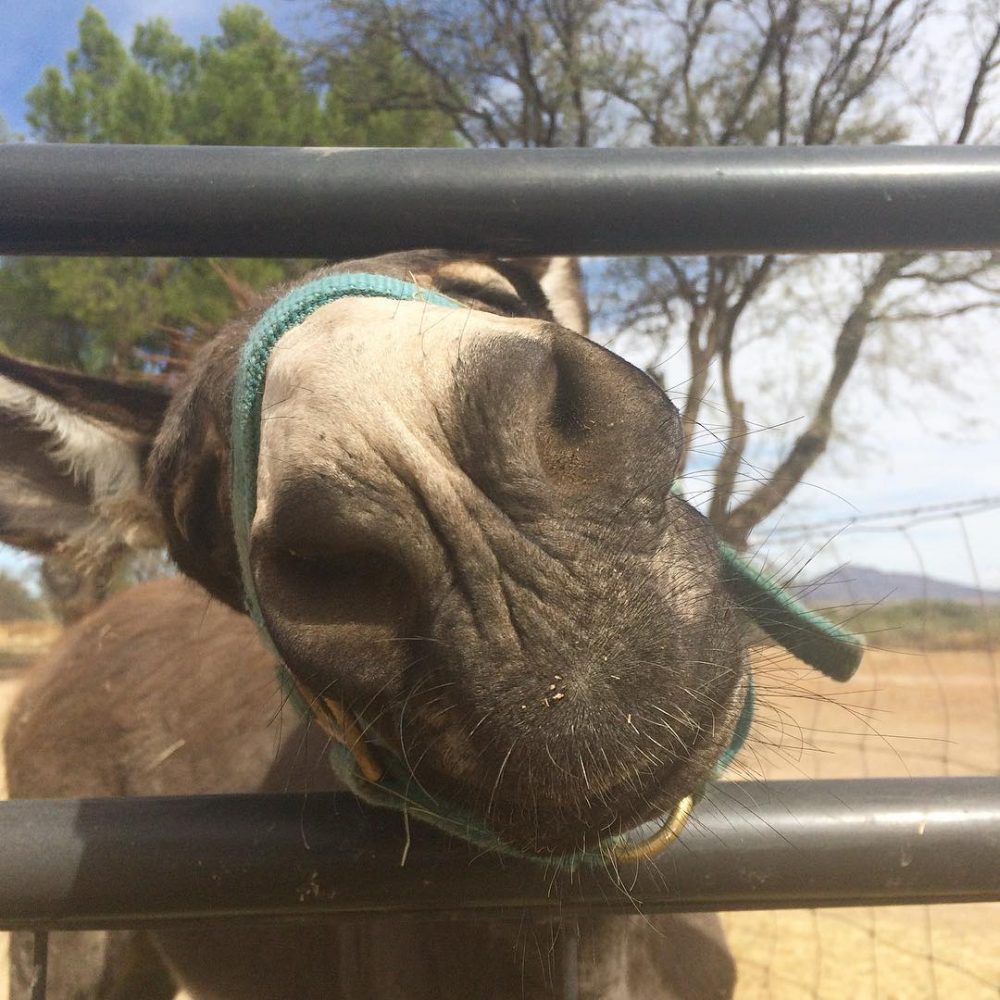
(463, 535)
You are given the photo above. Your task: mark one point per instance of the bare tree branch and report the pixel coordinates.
(986, 64)
(243, 295)
(812, 442)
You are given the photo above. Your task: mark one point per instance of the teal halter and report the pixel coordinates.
(807, 635)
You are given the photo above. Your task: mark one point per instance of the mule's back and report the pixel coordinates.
(161, 691)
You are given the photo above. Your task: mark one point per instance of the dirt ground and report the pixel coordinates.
(908, 713)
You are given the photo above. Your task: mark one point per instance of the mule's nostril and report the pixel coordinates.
(326, 587)
(608, 425)
(336, 592)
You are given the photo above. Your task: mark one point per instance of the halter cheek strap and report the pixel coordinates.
(380, 777)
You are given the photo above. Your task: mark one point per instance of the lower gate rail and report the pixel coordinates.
(107, 863)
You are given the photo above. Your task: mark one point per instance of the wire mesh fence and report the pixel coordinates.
(926, 704)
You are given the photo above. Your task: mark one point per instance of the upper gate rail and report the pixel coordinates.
(288, 202)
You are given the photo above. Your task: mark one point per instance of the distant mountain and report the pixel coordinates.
(850, 584)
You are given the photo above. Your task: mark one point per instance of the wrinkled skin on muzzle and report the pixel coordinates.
(465, 535)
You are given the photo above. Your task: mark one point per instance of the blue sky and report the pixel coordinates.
(940, 451)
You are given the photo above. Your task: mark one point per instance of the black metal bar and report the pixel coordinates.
(275, 202)
(569, 961)
(116, 862)
(39, 964)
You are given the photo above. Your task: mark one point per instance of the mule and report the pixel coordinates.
(461, 546)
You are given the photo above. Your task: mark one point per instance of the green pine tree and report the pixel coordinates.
(246, 85)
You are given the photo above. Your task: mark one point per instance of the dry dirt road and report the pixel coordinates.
(908, 713)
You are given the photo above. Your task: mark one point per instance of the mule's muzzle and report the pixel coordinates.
(464, 536)
(458, 531)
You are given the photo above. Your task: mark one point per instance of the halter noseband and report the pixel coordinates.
(381, 778)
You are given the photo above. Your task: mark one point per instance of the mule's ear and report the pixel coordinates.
(561, 279)
(72, 455)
